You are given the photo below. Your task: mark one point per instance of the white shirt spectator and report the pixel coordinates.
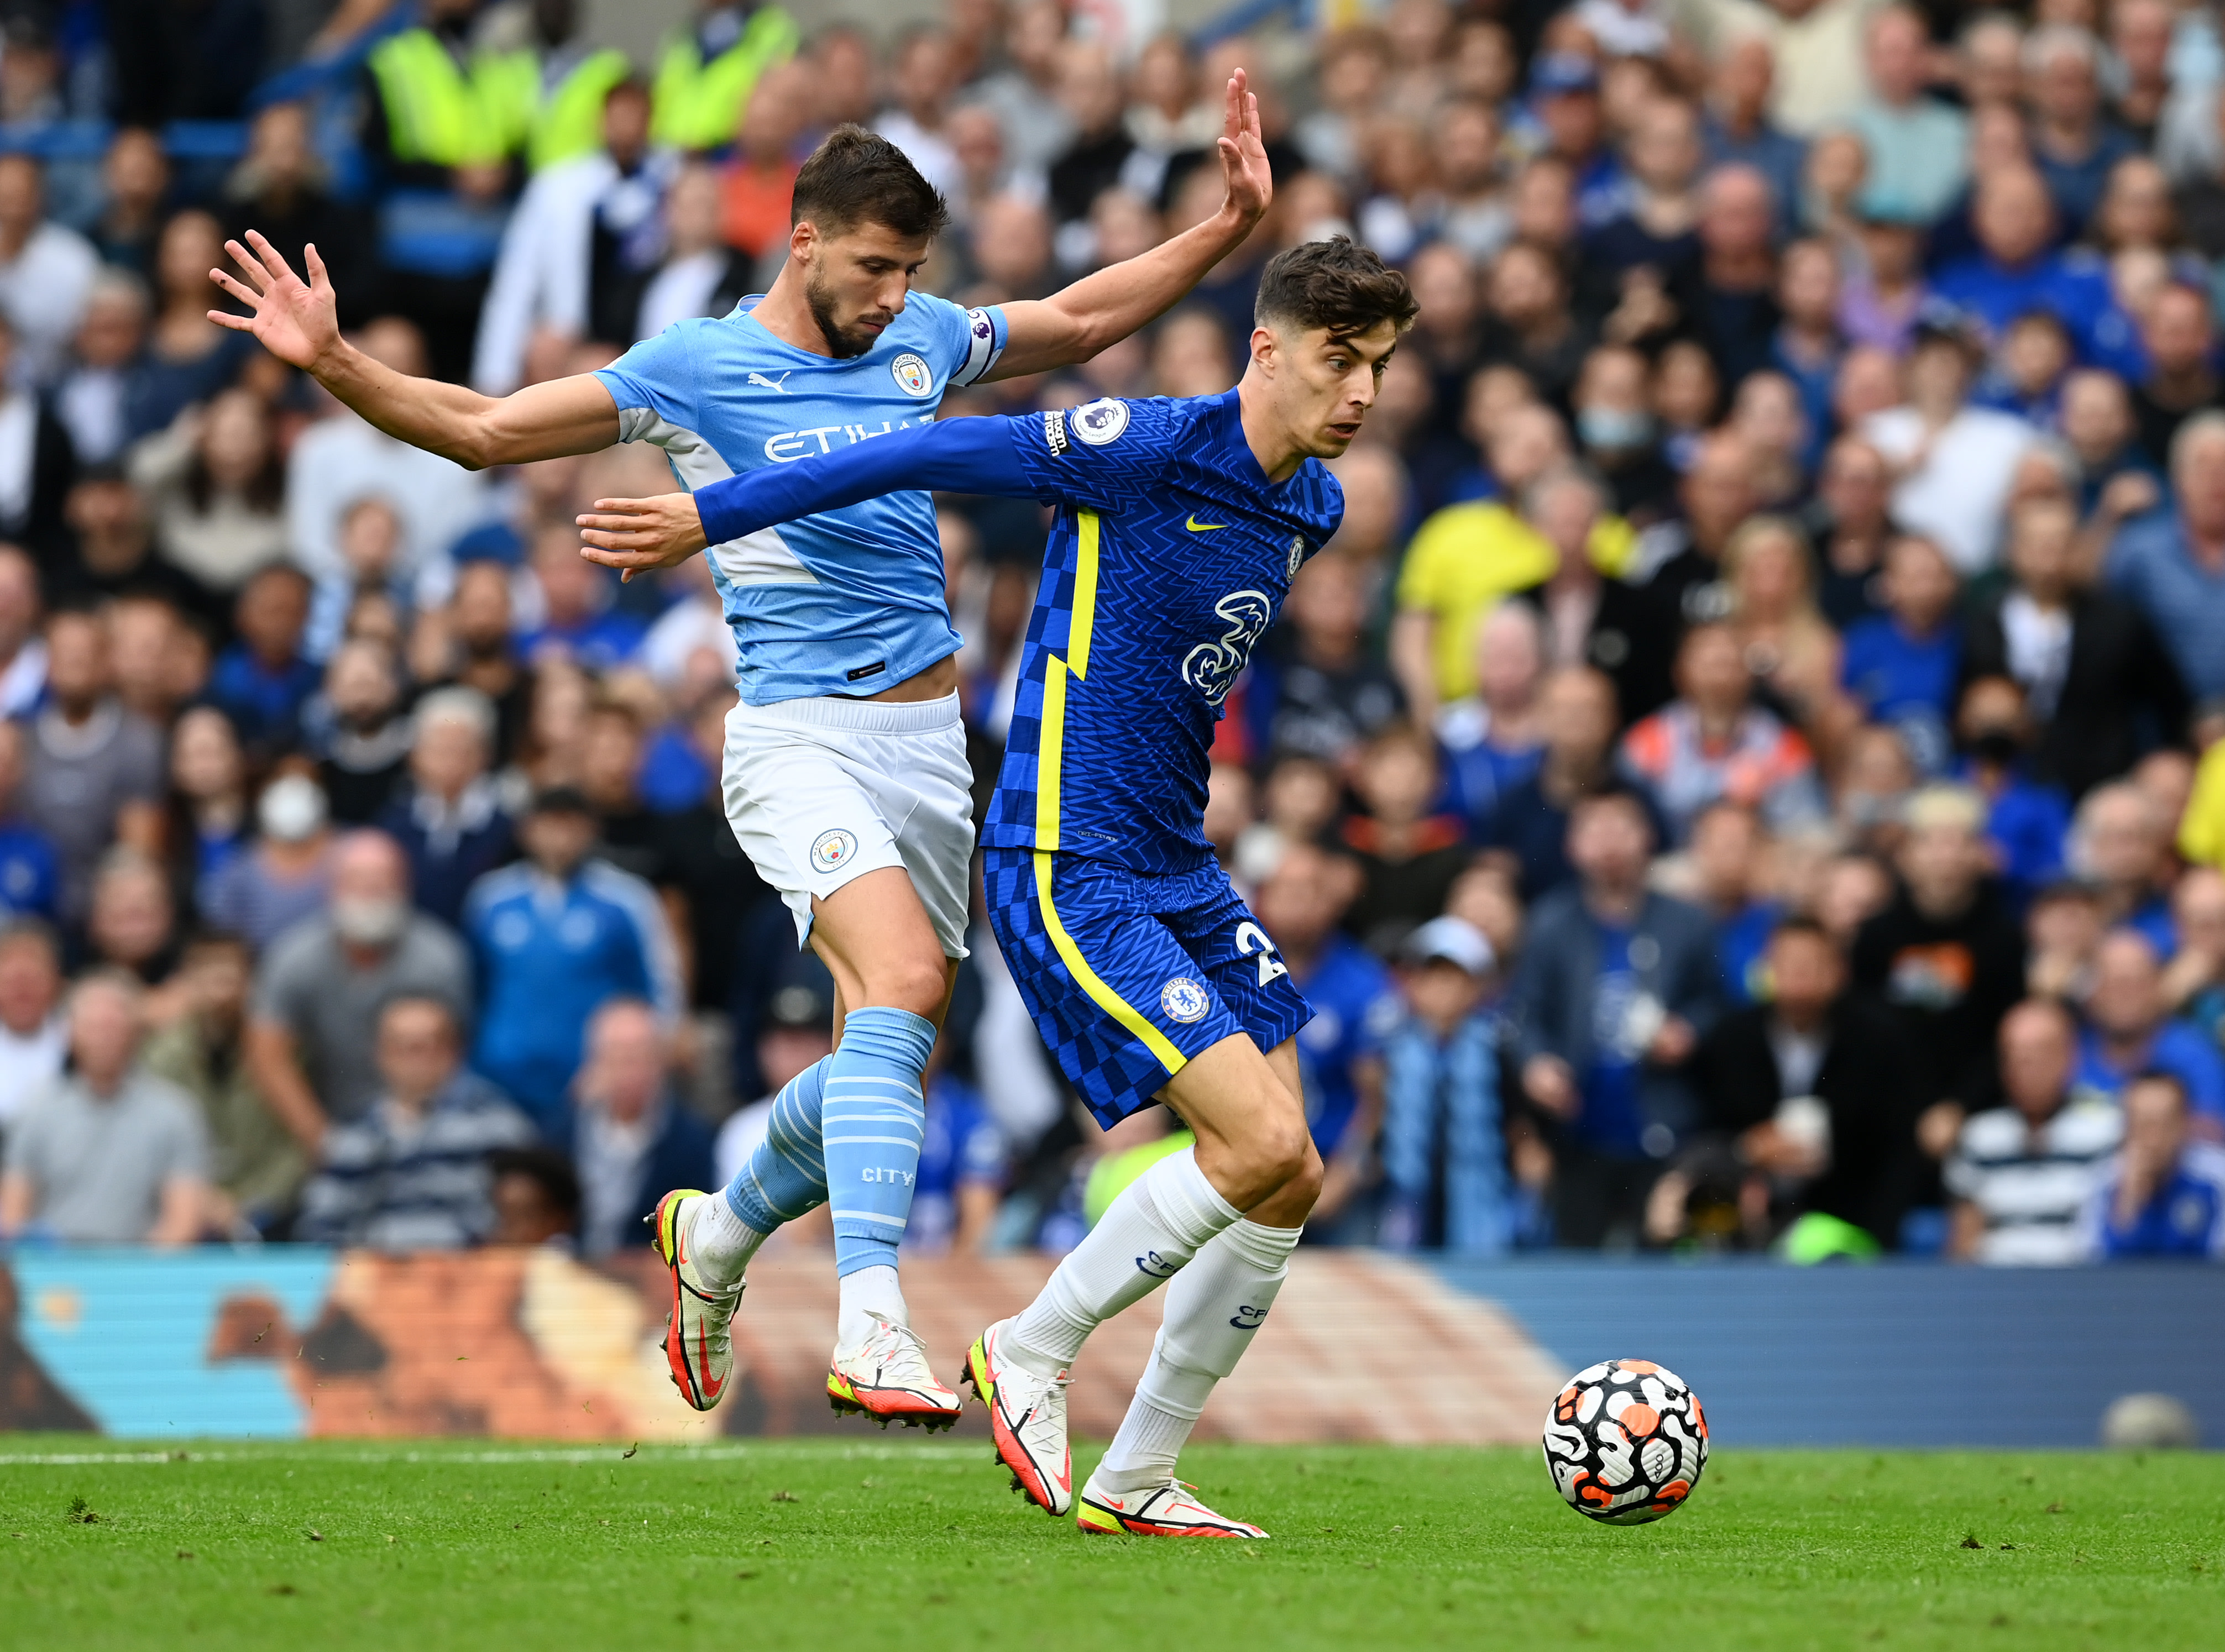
(44, 292)
(692, 623)
(1956, 495)
(339, 460)
(27, 1061)
(2032, 1185)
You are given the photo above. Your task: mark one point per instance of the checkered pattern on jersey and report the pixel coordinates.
(1169, 559)
(1178, 964)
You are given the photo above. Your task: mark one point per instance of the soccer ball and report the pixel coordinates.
(1625, 1441)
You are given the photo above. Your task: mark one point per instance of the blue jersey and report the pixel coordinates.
(549, 955)
(849, 601)
(1170, 556)
(1356, 1007)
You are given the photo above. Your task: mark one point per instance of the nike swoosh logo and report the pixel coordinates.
(1197, 526)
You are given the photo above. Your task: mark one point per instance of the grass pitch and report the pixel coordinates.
(907, 1544)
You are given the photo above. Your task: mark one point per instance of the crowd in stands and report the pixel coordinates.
(1749, 774)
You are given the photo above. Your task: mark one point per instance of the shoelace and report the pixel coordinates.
(1045, 1422)
(899, 1349)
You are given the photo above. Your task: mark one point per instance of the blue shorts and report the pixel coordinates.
(1129, 976)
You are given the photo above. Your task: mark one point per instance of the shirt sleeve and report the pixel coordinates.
(967, 343)
(1104, 455)
(654, 383)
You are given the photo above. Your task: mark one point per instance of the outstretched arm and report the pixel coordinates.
(298, 323)
(1074, 323)
(954, 455)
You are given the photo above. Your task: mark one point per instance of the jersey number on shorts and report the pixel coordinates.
(1250, 939)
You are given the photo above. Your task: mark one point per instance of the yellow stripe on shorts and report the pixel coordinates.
(1106, 1000)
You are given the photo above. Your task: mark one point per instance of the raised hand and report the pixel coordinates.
(297, 323)
(635, 535)
(1244, 154)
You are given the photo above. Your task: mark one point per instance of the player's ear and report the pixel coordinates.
(802, 239)
(1265, 349)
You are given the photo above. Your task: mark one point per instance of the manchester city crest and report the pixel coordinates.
(912, 374)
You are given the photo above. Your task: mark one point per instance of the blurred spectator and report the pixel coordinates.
(1884, 291)
(1616, 987)
(449, 817)
(2072, 141)
(216, 486)
(46, 271)
(1729, 869)
(1712, 742)
(631, 1139)
(255, 1169)
(536, 1197)
(1024, 94)
(1946, 954)
(1584, 615)
(1491, 743)
(132, 928)
(411, 1172)
(189, 357)
(790, 1034)
(1792, 654)
(2027, 821)
(1355, 1006)
(358, 730)
(283, 879)
(1444, 1145)
(2016, 269)
(1616, 428)
(1739, 127)
(261, 681)
(922, 77)
(1314, 687)
(1914, 143)
(1812, 1053)
(2021, 1174)
(282, 190)
(2120, 843)
(36, 464)
(207, 823)
(2164, 1195)
(34, 1037)
(30, 879)
(90, 399)
(1901, 666)
(581, 621)
(2166, 564)
(2129, 1031)
(93, 772)
(340, 460)
(1577, 718)
(2096, 678)
(135, 176)
(961, 1172)
(699, 274)
(106, 1152)
(310, 1037)
(1408, 853)
(555, 937)
(1717, 496)
(1955, 460)
(22, 650)
(116, 550)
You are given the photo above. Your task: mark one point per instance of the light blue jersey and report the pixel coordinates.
(848, 601)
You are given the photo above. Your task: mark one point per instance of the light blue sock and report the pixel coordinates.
(786, 1176)
(873, 1119)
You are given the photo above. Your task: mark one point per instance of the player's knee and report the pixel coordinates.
(1303, 1189)
(1280, 1151)
(916, 984)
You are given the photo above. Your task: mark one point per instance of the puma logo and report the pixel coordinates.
(779, 384)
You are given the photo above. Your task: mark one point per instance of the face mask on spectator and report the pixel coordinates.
(370, 922)
(292, 810)
(1614, 429)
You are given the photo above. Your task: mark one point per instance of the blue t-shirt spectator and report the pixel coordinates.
(607, 641)
(2028, 825)
(264, 700)
(1355, 1006)
(1905, 680)
(2183, 1217)
(1479, 772)
(549, 954)
(1741, 942)
(30, 877)
(2177, 1048)
(2150, 567)
(1611, 1119)
(2072, 286)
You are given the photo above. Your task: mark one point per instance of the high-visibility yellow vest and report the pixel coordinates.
(443, 114)
(568, 121)
(698, 105)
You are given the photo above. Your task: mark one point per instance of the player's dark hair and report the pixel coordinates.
(1801, 925)
(1336, 285)
(858, 177)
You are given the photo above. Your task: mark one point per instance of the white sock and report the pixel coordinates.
(1159, 1222)
(1213, 1309)
(864, 1292)
(720, 1241)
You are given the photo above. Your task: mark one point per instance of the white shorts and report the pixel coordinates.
(819, 791)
